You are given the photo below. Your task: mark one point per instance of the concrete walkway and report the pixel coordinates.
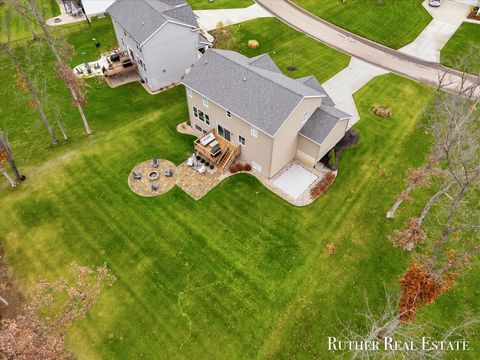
(446, 20)
(343, 85)
(208, 19)
(412, 67)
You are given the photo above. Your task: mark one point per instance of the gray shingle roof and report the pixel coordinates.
(264, 62)
(264, 98)
(321, 123)
(312, 82)
(141, 18)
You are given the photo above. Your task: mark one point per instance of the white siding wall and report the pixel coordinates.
(169, 53)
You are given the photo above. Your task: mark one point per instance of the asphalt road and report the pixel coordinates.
(429, 73)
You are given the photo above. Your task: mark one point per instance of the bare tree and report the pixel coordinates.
(379, 325)
(7, 150)
(30, 336)
(73, 83)
(449, 222)
(25, 81)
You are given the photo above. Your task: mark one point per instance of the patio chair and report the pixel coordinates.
(202, 169)
(137, 175)
(168, 173)
(191, 161)
(155, 162)
(154, 187)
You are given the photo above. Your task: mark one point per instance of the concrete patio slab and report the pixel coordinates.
(295, 180)
(208, 19)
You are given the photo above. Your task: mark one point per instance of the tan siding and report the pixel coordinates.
(257, 149)
(307, 150)
(334, 137)
(286, 140)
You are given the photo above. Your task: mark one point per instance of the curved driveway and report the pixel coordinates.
(423, 71)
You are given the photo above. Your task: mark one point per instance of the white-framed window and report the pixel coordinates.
(229, 114)
(305, 118)
(205, 101)
(200, 115)
(254, 131)
(199, 128)
(189, 92)
(224, 132)
(241, 140)
(256, 166)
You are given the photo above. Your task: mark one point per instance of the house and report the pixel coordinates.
(247, 109)
(161, 36)
(96, 7)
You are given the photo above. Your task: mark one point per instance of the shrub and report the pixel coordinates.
(322, 186)
(211, 167)
(202, 161)
(332, 163)
(198, 157)
(240, 167)
(207, 164)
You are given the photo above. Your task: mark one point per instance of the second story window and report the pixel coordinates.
(205, 101)
(229, 114)
(254, 131)
(189, 92)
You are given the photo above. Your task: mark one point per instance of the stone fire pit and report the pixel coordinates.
(153, 175)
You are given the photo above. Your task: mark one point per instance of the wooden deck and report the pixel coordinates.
(224, 157)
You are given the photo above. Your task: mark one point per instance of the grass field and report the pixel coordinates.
(393, 23)
(19, 28)
(240, 274)
(219, 4)
(464, 43)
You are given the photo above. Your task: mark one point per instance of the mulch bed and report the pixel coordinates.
(10, 293)
(474, 14)
(351, 138)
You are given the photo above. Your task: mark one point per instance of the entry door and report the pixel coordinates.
(223, 132)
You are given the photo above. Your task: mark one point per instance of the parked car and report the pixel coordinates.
(434, 3)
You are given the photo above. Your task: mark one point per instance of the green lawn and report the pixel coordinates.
(240, 274)
(219, 4)
(19, 28)
(461, 51)
(393, 23)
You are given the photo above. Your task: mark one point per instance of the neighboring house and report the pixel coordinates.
(96, 7)
(265, 118)
(161, 36)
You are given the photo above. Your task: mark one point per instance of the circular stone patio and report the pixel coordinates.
(143, 187)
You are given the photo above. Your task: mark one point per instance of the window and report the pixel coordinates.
(200, 115)
(241, 140)
(305, 118)
(229, 114)
(205, 101)
(256, 166)
(189, 92)
(199, 128)
(254, 132)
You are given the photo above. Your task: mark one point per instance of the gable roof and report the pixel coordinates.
(311, 81)
(322, 122)
(141, 18)
(253, 89)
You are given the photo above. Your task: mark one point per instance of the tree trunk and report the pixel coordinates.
(7, 176)
(391, 212)
(32, 91)
(388, 329)
(51, 44)
(11, 159)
